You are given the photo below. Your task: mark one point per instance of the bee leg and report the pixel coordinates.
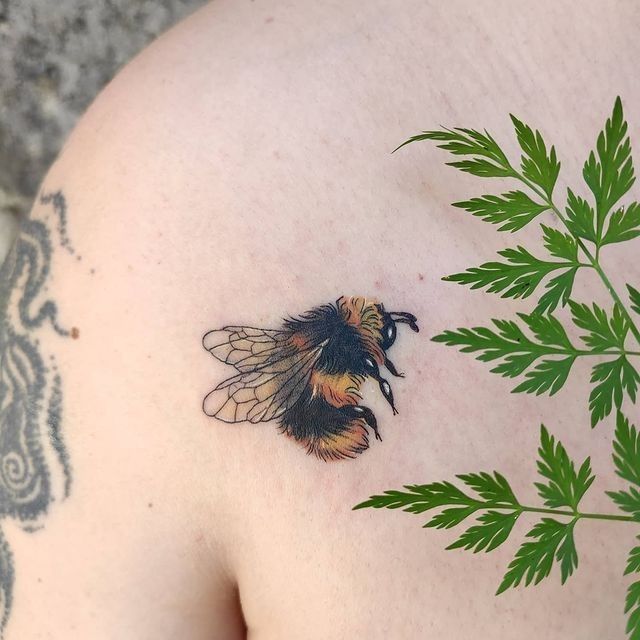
(356, 411)
(371, 368)
(392, 368)
(385, 387)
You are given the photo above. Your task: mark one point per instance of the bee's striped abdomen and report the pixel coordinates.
(324, 429)
(338, 389)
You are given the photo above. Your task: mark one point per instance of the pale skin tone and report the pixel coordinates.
(237, 172)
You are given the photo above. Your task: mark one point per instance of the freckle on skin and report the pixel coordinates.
(420, 276)
(75, 333)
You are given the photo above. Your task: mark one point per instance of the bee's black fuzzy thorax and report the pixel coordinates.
(345, 348)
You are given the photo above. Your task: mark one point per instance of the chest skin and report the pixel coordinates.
(259, 182)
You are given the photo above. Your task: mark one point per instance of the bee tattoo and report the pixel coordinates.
(308, 374)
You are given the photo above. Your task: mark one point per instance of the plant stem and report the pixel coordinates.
(578, 515)
(585, 352)
(605, 353)
(592, 259)
(603, 516)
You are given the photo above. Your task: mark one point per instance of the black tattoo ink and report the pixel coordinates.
(6, 581)
(54, 419)
(30, 390)
(308, 374)
(59, 203)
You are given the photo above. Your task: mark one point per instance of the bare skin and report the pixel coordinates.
(239, 171)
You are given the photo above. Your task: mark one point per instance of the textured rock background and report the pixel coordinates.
(55, 56)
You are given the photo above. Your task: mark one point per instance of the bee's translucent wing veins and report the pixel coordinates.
(266, 393)
(247, 348)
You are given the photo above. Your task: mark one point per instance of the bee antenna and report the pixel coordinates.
(406, 318)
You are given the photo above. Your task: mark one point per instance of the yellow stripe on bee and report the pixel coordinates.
(338, 389)
(347, 444)
(357, 310)
(363, 314)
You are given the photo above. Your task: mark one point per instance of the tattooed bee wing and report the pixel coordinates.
(271, 377)
(247, 348)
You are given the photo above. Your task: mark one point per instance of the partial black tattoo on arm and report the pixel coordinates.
(308, 374)
(30, 384)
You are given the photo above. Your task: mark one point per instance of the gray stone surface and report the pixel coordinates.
(55, 56)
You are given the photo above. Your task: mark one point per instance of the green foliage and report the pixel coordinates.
(419, 498)
(632, 606)
(522, 272)
(493, 529)
(627, 501)
(612, 378)
(633, 561)
(624, 224)
(632, 601)
(534, 560)
(536, 347)
(626, 450)
(490, 489)
(562, 488)
(537, 166)
(512, 210)
(519, 276)
(603, 332)
(634, 296)
(538, 358)
(580, 220)
(608, 171)
(626, 459)
(486, 159)
(609, 174)
(548, 376)
(493, 488)
(559, 244)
